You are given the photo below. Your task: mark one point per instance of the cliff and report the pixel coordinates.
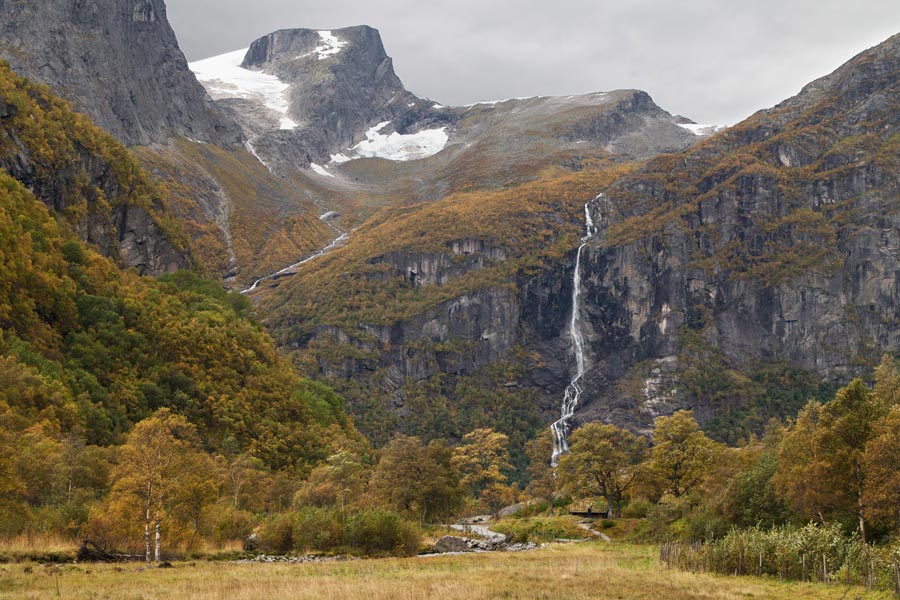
(117, 61)
(87, 178)
(775, 241)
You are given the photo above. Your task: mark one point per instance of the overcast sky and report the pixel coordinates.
(715, 61)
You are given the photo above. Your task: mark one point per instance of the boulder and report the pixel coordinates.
(452, 543)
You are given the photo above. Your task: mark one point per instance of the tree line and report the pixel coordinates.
(837, 464)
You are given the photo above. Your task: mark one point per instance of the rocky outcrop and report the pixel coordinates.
(143, 245)
(117, 61)
(635, 127)
(461, 257)
(338, 83)
(452, 543)
(457, 337)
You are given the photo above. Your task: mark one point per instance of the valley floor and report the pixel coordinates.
(569, 571)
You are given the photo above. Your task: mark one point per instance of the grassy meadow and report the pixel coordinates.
(564, 571)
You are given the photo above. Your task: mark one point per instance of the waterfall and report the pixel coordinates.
(572, 395)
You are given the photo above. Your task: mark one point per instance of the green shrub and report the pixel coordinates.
(226, 523)
(382, 532)
(637, 509)
(318, 529)
(277, 534)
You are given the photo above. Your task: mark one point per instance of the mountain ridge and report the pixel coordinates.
(771, 242)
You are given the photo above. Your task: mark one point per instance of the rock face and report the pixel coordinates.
(143, 245)
(776, 240)
(457, 339)
(337, 85)
(86, 178)
(117, 61)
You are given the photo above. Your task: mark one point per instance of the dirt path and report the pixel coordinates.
(477, 525)
(586, 525)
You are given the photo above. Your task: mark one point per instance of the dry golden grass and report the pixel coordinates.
(30, 544)
(591, 570)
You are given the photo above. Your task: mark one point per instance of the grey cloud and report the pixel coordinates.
(715, 61)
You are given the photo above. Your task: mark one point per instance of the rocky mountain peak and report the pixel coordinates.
(117, 61)
(357, 49)
(304, 94)
(860, 75)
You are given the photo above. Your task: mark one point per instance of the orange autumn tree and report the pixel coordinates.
(821, 467)
(159, 466)
(881, 490)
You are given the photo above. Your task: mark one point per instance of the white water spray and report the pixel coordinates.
(560, 428)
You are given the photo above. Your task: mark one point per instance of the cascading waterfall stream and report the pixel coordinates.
(560, 428)
(342, 237)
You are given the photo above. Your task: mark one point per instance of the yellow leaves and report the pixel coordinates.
(482, 459)
(128, 345)
(681, 453)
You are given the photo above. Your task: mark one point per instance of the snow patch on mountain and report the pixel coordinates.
(697, 129)
(341, 158)
(330, 45)
(223, 77)
(396, 146)
(319, 169)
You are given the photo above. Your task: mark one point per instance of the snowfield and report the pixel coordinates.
(395, 146)
(330, 46)
(223, 77)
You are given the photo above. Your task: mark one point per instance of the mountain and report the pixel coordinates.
(738, 278)
(420, 257)
(310, 93)
(328, 105)
(118, 62)
(325, 109)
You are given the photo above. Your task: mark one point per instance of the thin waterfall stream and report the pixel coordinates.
(342, 237)
(572, 395)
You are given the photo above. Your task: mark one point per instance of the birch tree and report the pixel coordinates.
(158, 460)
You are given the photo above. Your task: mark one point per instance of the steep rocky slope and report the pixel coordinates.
(443, 317)
(776, 240)
(87, 178)
(117, 61)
